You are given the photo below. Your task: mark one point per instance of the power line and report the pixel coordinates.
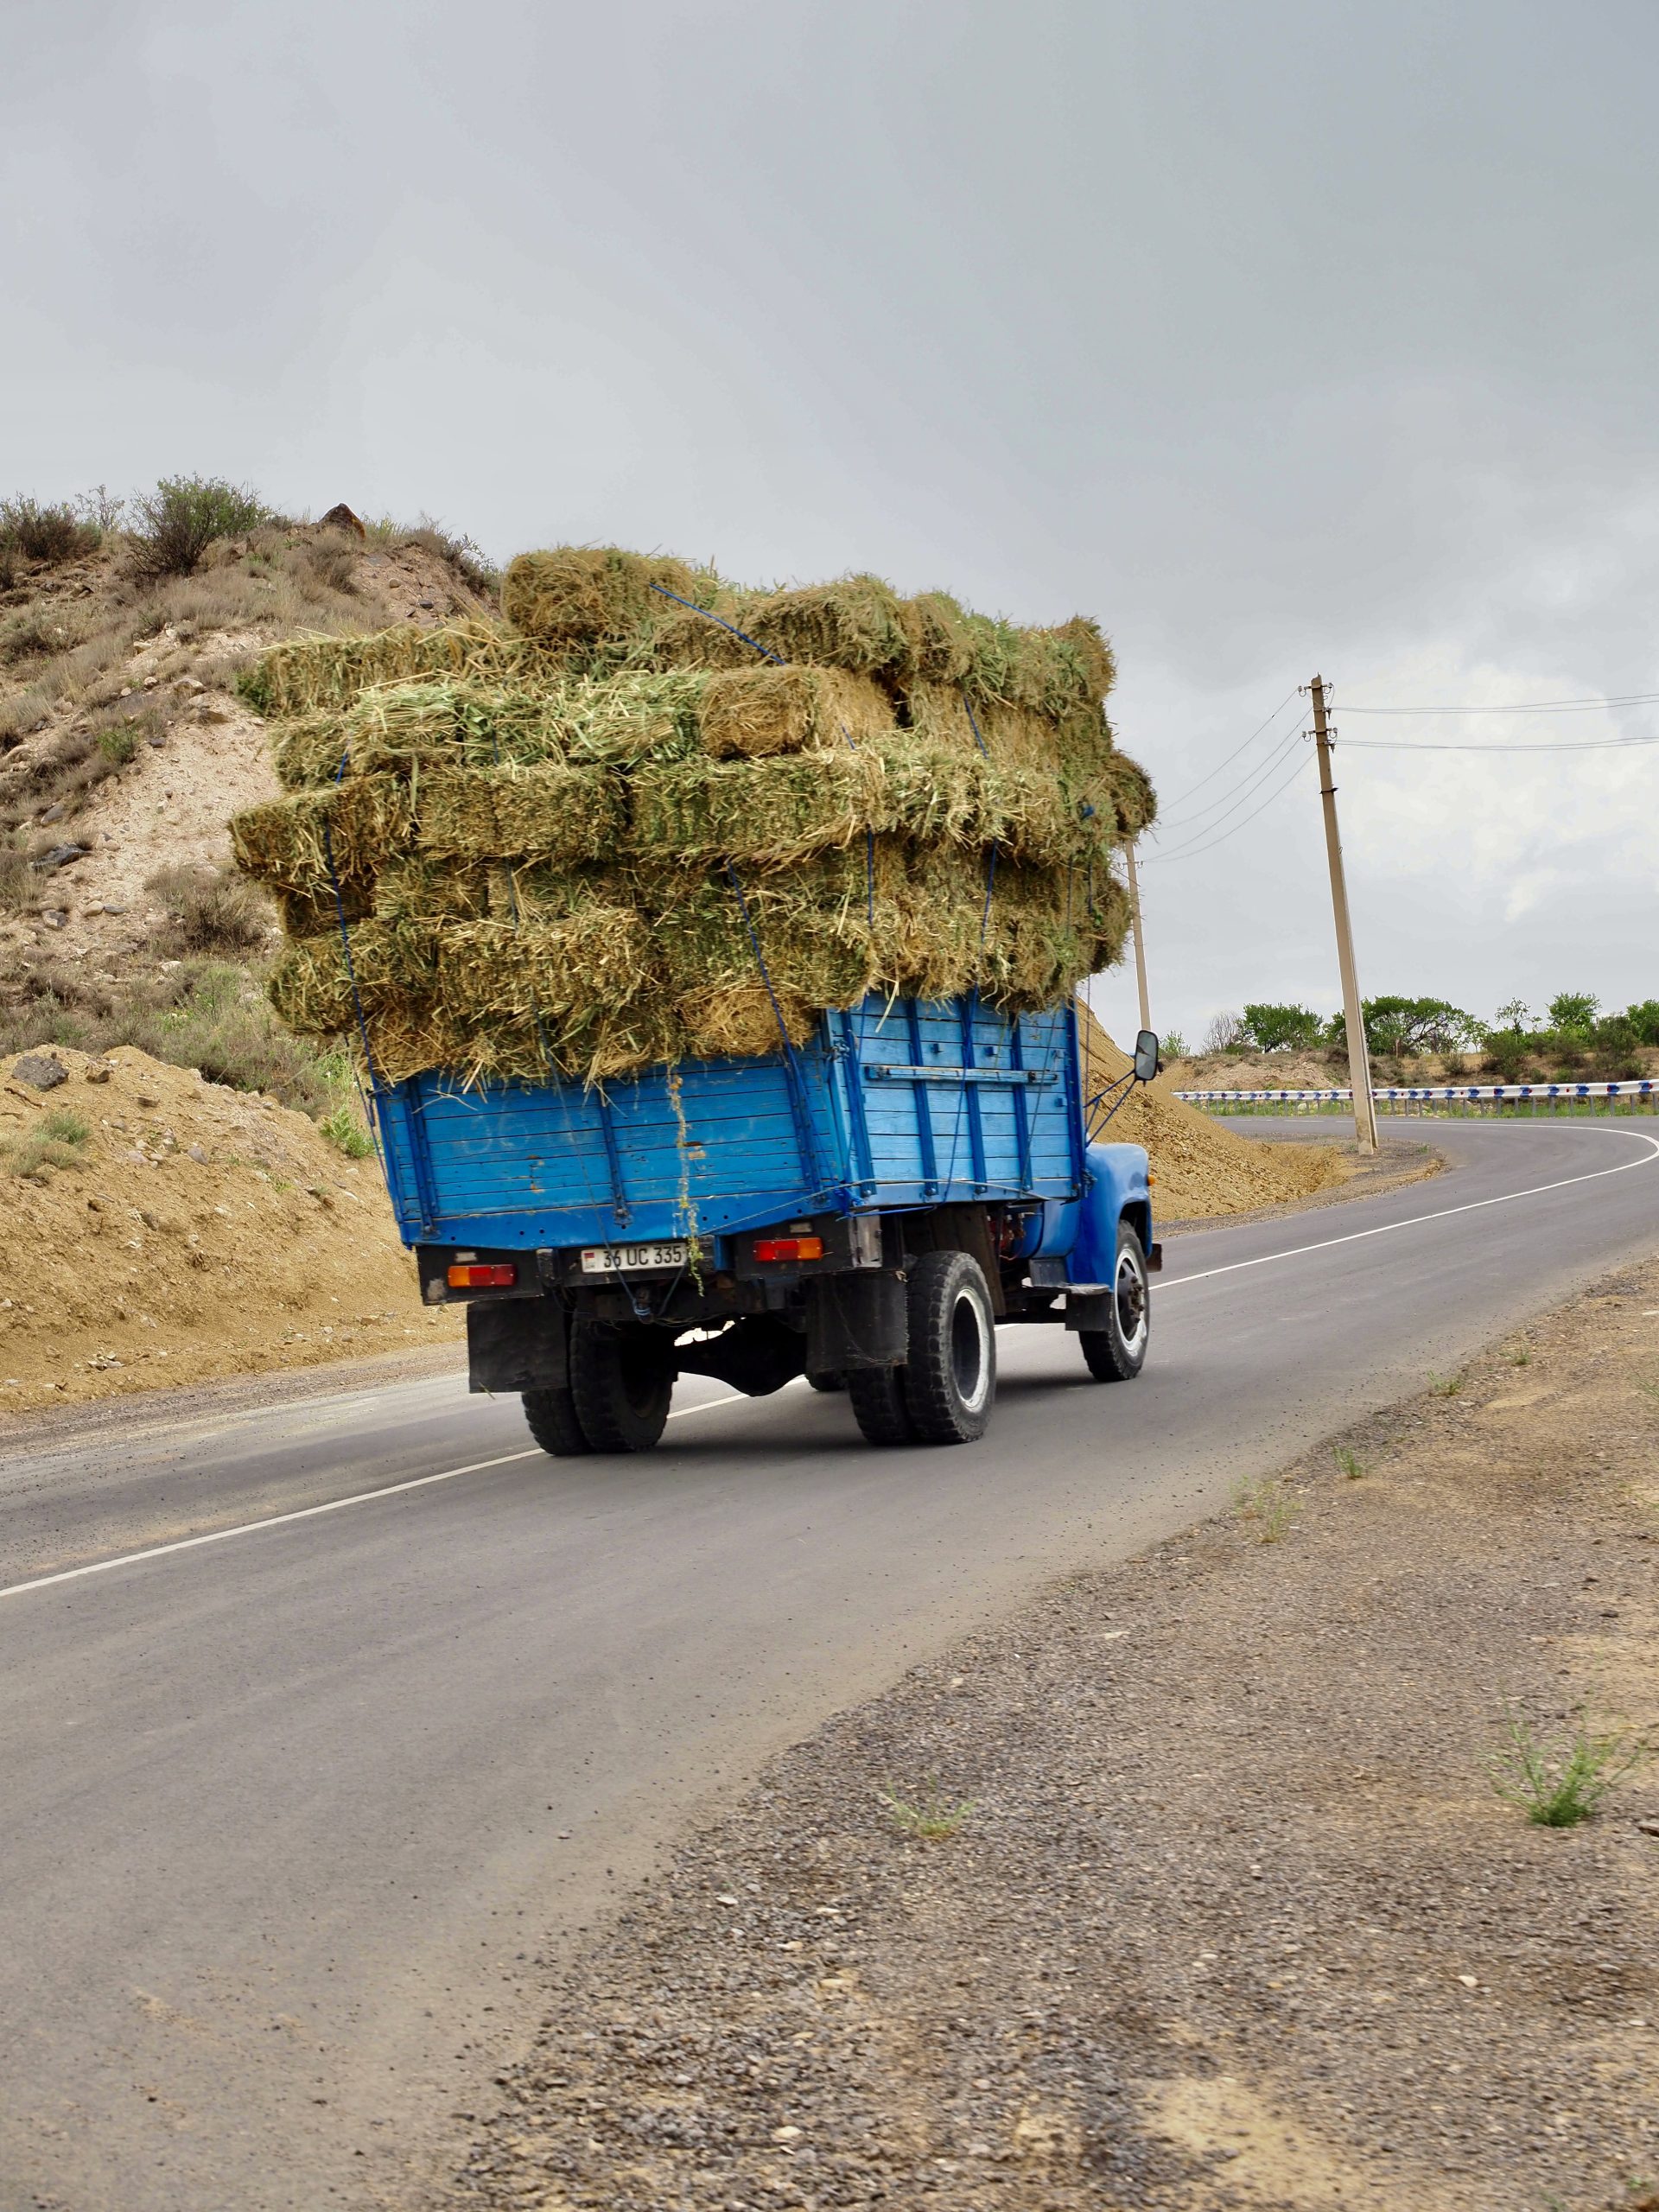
(1237, 749)
(1191, 852)
(1240, 789)
(1530, 707)
(1537, 744)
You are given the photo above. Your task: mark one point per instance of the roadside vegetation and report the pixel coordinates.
(1559, 1781)
(1571, 1039)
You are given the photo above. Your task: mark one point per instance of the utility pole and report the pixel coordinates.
(1139, 942)
(1359, 1062)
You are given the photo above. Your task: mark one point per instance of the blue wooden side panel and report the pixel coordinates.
(1013, 1129)
(874, 1112)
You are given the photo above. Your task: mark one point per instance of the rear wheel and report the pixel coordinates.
(877, 1394)
(950, 1380)
(552, 1418)
(1118, 1353)
(621, 1380)
(826, 1378)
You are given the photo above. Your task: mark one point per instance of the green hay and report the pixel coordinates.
(532, 834)
(556, 814)
(305, 675)
(316, 839)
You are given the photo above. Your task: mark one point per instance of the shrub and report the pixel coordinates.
(1225, 1034)
(1557, 1784)
(1509, 1056)
(346, 1133)
(184, 516)
(56, 1140)
(1644, 1021)
(1614, 1049)
(1573, 1012)
(18, 881)
(930, 1817)
(210, 910)
(1174, 1045)
(466, 559)
(45, 533)
(1282, 1028)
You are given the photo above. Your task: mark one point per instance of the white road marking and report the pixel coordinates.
(1473, 1205)
(308, 1512)
(507, 1459)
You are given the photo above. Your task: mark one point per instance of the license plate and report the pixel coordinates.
(632, 1259)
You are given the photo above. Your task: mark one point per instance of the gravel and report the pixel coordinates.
(1234, 1918)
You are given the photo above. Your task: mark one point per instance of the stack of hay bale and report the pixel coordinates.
(653, 815)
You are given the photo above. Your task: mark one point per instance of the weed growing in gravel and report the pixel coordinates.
(1349, 1465)
(55, 1141)
(931, 1816)
(1272, 1504)
(1521, 1357)
(1445, 1386)
(1648, 1385)
(347, 1133)
(1559, 1782)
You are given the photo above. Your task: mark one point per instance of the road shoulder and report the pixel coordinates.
(1232, 1915)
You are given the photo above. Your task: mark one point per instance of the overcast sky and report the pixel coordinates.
(1278, 337)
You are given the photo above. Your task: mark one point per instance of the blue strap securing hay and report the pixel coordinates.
(724, 624)
(974, 725)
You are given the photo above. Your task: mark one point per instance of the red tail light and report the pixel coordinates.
(789, 1248)
(498, 1275)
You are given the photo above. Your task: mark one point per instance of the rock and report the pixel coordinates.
(151, 682)
(59, 857)
(155, 738)
(194, 1152)
(1648, 1827)
(54, 918)
(341, 518)
(40, 1070)
(99, 1070)
(54, 813)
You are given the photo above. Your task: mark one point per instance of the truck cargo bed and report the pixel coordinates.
(893, 1103)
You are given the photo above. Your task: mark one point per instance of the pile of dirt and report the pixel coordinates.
(1264, 1071)
(192, 1232)
(654, 817)
(1201, 1171)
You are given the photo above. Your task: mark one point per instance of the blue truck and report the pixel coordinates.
(863, 1209)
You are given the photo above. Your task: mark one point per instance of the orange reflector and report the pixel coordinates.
(499, 1274)
(789, 1248)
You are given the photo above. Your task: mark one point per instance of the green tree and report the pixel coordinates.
(1282, 1028)
(1402, 1028)
(1573, 1012)
(1644, 1020)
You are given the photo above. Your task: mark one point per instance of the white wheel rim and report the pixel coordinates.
(971, 1353)
(1129, 1302)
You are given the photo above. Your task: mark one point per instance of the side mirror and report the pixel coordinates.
(1145, 1056)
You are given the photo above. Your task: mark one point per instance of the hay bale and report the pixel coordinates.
(305, 675)
(574, 596)
(752, 712)
(762, 813)
(858, 624)
(555, 814)
(315, 839)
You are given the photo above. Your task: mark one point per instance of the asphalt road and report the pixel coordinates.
(285, 1815)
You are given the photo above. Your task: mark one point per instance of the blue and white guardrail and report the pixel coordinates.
(1496, 1090)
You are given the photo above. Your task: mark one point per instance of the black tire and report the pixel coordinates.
(826, 1378)
(552, 1418)
(621, 1380)
(1118, 1353)
(877, 1394)
(950, 1380)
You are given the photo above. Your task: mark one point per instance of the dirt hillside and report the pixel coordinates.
(94, 662)
(193, 1232)
(1202, 1170)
